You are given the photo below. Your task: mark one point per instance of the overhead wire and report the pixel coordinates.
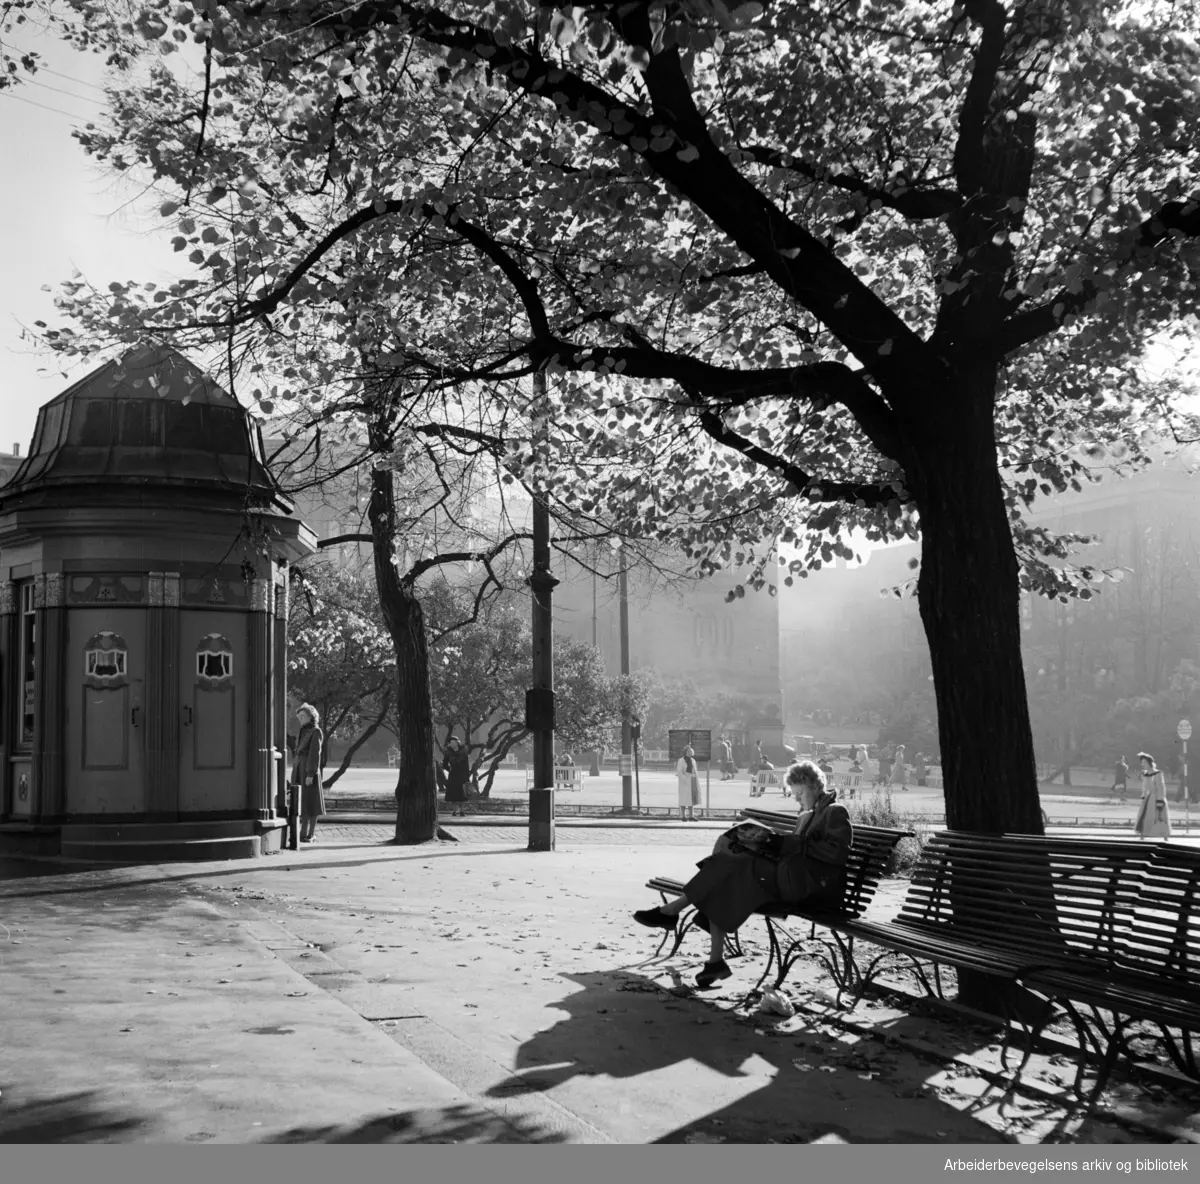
(69, 93)
(70, 78)
(7, 93)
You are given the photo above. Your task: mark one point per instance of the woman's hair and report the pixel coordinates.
(313, 713)
(806, 773)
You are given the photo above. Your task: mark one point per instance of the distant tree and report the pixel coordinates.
(479, 671)
(911, 720)
(340, 657)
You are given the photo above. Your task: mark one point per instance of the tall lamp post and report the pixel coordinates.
(626, 731)
(539, 699)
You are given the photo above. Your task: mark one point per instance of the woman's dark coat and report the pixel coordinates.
(306, 771)
(811, 871)
(457, 769)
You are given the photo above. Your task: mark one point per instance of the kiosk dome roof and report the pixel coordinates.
(148, 418)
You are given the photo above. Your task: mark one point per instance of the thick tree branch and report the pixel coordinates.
(810, 488)
(337, 540)
(976, 109)
(914, 204)
(419, 568)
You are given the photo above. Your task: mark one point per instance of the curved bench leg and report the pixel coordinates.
(773, 957)
(1182, 1051)
(1116, 1045)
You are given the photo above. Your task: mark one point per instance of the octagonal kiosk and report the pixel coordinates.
(144, 551)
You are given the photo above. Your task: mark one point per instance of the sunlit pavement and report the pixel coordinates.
(470, 991)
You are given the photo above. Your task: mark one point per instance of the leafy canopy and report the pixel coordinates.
(759, 246)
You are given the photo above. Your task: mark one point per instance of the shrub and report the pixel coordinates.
(879, 810)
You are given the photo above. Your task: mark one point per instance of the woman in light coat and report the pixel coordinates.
(306, 771)
(688, 774)
(1153, 817)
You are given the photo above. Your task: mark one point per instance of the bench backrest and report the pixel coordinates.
(870, 853)
(1165, 937)
(1043, 898)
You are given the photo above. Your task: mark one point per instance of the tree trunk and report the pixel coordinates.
(968, 593)
(416, 786)
(969, 600)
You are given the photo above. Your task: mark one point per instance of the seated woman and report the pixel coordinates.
(730, 885)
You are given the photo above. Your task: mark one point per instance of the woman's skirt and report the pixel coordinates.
(312, 799)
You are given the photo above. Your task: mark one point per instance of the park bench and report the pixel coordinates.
(1109, 925)
(847, 784)
(870, 855)
(566, 777)
(764, 779)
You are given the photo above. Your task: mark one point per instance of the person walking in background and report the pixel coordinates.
(899, 769)
(688, 774)
(885, 768)
(728, 768)
(1120, 778)
(456, 771)
(1153, 819)
(306, 771)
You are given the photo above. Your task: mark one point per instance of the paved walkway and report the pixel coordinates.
(454, 992)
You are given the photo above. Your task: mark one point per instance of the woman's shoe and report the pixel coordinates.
(712, 973)
(654, 918)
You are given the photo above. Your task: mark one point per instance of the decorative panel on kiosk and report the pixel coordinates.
(105, 701)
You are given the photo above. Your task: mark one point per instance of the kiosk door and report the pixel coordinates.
(106, 712)
(213, 712)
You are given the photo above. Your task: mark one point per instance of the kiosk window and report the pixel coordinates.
(105, 663)
(214, 665)
(26, 661)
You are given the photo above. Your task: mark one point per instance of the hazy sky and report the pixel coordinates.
(58, 212)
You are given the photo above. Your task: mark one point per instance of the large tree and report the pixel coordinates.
(894, 263)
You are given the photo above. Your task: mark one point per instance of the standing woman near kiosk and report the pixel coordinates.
(306, 772)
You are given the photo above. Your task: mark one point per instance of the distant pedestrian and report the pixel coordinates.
(1120, 778)
(456, 772)
(688, 774)
(306, 771)
(728, 768)
(899, 769)
(920, 769)
(1153, 817)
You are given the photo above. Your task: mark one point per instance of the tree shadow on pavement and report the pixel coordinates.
(70, 1118)
(450, 1124)
(800, 1085)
